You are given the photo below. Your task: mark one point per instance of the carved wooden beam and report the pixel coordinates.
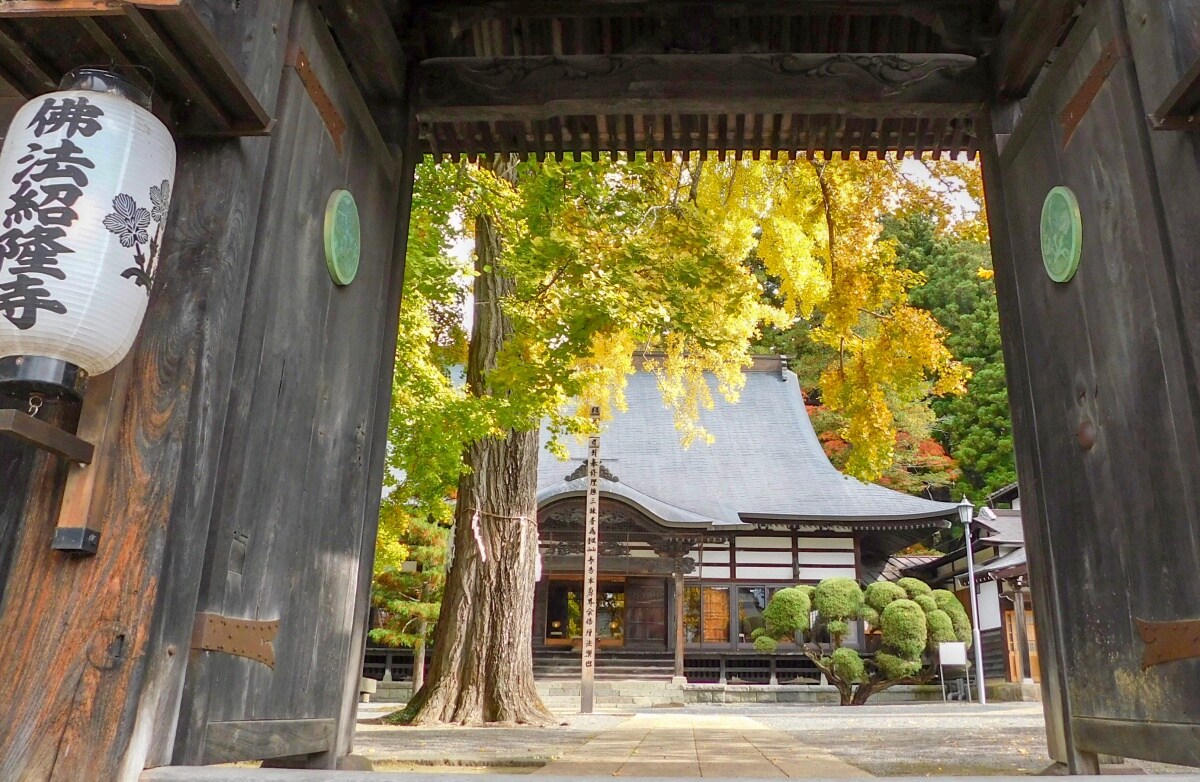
(1028, 37)
(860, 85)
(499, 9)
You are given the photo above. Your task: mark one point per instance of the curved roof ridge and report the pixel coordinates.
(766, 462)
(654, 508)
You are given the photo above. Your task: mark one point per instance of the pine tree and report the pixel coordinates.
(409, 595)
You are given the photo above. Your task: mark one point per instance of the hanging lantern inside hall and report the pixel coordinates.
(85, 184)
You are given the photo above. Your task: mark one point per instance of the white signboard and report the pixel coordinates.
(953, 653)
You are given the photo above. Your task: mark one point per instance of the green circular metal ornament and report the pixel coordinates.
(343, 237)
(1062, 234)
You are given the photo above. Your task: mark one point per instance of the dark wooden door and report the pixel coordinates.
(293, 527)
(646, 612)
(1104, 398)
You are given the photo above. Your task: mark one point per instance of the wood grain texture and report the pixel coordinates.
(293, 530)
(100, 414)
(97, 686)
(32, 480)
(1031, 32)
(226, 742)
(1109, 524)
(381, 415)
(1165, 742)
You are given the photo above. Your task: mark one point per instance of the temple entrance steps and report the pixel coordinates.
(611, 665)
(611, 695)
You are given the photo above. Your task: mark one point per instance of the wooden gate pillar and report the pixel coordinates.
(1102, 375)
(679, 629)
(94, 648)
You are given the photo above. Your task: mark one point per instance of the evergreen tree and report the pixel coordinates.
(958, 290)
(409, 595)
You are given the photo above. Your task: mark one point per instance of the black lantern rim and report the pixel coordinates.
(105, 80)
(49, 377)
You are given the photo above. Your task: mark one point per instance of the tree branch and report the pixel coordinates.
(696, 181)
(827, 204)
(879, 315)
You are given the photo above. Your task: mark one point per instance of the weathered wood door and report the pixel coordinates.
(292, 534)
(1012, 644)
(646, 612)
(1104, 393)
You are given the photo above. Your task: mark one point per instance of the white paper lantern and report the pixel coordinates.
(85, 184)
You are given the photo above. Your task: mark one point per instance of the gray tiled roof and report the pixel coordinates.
(1012, 559)
(764, 464)
(1005, 526)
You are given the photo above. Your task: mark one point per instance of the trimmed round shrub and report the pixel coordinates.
(787, 613)
(943, 598)
(941, 629)
(838, 599)
(807, 589)
(879, 594)
(758, 631)
(926, 602)
(837, 627)
(904, 631)
(914, 587)
(847, 665)
(892, 667)
(766, 644)
(870, 615)
(947, 602)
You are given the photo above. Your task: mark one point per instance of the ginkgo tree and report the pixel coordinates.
(578, 266)
(815, 226)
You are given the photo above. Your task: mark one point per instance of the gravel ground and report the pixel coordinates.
(928, 739)
(924, 739)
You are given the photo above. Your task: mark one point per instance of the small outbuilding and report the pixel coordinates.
(1002, 579)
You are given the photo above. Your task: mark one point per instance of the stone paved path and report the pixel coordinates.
(697, 745)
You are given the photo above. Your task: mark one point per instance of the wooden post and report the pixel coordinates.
(679, 637)
(78, 529)
(590, 565)
(1024, 667)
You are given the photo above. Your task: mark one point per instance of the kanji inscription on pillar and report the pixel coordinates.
(591, 562)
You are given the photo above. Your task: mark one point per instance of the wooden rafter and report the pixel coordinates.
(197, 87)
(1030, 34)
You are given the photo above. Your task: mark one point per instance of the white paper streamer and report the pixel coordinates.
(478, 537)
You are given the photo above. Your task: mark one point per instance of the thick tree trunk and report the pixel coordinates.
(482, 668)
